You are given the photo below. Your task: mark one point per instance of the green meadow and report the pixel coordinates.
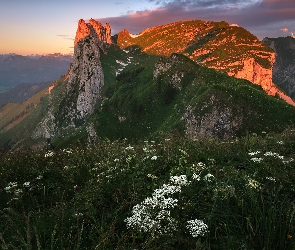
(166, 193)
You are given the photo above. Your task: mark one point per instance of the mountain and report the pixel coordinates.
(22, 92)
(226, 48)
(17, 69)
(284, 66)
(137, 91)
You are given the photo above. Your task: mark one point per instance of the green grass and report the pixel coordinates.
(80, 197)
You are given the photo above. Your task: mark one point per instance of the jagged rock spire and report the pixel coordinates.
(103, 33)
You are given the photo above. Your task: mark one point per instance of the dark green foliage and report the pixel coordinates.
(79, 197)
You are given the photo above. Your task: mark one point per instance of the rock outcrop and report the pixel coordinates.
(84, 82)
(284, 66)
(86, 71)
(255, 73)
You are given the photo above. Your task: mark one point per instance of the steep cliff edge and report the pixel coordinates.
(84, 82)
(226, 48)
(284, 66)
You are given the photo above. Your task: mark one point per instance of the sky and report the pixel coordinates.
(49, 26)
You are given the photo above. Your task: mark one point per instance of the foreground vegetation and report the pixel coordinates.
(170, 193)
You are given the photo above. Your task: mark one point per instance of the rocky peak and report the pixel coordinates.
(82, 31)
(103, 33)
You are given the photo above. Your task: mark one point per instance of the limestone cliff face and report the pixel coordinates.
(86, 71)
(84, 82)
(255, 73)
(284, 66)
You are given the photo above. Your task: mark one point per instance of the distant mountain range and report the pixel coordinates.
(17, 69)
(196, 78)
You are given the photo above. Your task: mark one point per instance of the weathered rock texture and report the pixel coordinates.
(84, 82)
(284, 66)
(227, 48)
(86, 72)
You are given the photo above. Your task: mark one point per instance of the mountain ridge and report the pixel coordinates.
(227, 48)
(117, 93)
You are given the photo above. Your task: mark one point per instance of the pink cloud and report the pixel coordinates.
(285, 30)
(261, 16)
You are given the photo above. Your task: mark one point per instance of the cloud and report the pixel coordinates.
(260, 16)
(285, 30)
(66, 37)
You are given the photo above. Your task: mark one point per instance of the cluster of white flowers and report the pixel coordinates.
(153, 158)
(254, 153)
(270, 179)
(129, 148)
(152, 176)
(179, 180)
(68, 150)
(197, 227)
(275, 155)
(196, 177)
(49, 154)
(209, 177)
(280, 142)
(254, 184)
(268, 154)
(257, 159)
(10, 186)
(26, 184)
(153, 214)
(201, 165)
(288, 161)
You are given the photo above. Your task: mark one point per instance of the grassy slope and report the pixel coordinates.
(79, 198)
(148, 106)
(21, 129)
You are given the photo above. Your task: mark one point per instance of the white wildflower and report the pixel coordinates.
(39, 177)
(26, 184)
(179, 180)
(49, 154)
(254, 153)
(154, 158)
(196, 177)
(129, 148)
(116, 160)
(271, 179)
(209, 177)
(280, 142)
(254, 184)
(201, 164)
(257, 159)
(152, 176)
(197, 227)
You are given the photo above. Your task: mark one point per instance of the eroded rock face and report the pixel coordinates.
(219, 122)
(255, 73)
(86, 70)
(84, 82)
(284, 67)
